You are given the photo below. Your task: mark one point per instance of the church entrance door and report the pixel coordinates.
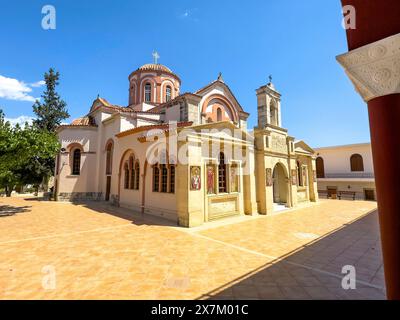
(279, 185)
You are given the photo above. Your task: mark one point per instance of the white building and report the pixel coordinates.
(346, 169)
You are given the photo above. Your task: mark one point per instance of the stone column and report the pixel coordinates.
(373, 65)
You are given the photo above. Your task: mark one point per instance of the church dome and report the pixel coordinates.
(155, 67)
(153, 83)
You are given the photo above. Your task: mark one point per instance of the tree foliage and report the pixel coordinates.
(26, 154)
(53, 110)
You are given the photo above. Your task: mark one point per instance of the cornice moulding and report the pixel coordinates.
(374, 69)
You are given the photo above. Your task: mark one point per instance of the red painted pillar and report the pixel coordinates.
(377, 20)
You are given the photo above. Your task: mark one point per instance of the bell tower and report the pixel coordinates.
(269, 106)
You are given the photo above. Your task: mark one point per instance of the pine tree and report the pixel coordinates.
(53, 110)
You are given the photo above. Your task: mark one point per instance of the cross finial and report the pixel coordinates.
(270, 78)
(156, 56)
(220, 77)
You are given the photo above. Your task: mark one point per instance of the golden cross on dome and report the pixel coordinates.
(156, 56)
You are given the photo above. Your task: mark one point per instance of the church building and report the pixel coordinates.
(188, 157)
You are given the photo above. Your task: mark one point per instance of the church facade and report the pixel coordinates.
(188, 157)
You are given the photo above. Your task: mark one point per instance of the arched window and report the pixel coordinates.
(147, 92)
(172, 179)
(76, 162)
(356, 163)
(320, 168)
(109, 154)
(167, 94)
(222, 174)
(137, 175)
(219, 114)
(132, 173)
(156, 178)
(126, 175)
(273, 113)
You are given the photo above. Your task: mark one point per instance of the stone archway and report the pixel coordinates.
(280, 188)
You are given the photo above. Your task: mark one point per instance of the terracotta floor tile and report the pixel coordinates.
(101, 252)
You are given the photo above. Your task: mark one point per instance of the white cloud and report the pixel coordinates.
(38, 84)
(20, 120)
(13, 89)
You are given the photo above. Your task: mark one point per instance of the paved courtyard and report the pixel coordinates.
(54, 250)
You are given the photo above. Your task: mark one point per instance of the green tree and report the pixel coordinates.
(52, 111)
(26, 155)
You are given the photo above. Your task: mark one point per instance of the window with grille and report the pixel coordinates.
(147, 92)
(222, 174)
(126, 175)
(137, 175)
(164, 178)
(132, 174)
(156, 178)
(76, 162)
(168, 94)
(172, 179)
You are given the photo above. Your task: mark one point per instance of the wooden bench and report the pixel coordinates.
(350, 194)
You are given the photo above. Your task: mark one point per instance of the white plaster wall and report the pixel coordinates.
(337, 159)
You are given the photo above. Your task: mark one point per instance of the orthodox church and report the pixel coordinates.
(188, 157)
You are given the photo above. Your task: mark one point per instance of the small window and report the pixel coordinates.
(76, 162)
(164, 178)
(168, 94)
(356, 163)
(156, 178)
(172, 179)
(219, 114)
(222, 174)
(137, 175)
(147, 92)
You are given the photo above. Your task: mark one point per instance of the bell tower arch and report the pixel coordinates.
(269, 106)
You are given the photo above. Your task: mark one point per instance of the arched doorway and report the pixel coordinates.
(280, 188)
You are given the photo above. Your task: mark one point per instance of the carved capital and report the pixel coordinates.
(374, 69)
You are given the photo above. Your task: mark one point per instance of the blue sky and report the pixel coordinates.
(98, 43)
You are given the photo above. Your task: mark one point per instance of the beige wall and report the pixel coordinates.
(87, 139)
